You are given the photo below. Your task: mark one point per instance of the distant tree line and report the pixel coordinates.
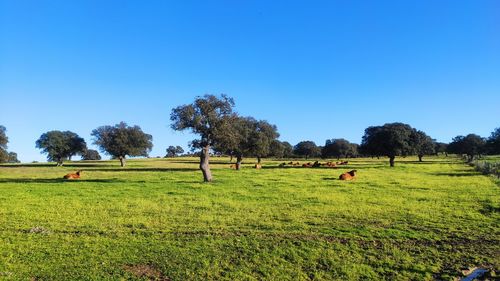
(221, 131)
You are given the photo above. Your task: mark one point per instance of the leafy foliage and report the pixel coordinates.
(60, 145)
(12, 158)
(91, 154)
(251, 137)
(470, 145)
(276, 149)
(339, 148)
(440, 147)
(306, 149)
(210, 117)
(422, 144)
(3, 138)
(122, 140)
(4, 155)
(391, 140)
(173, 151)
(493, 142)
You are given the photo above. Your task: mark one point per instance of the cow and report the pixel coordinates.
(348, 176)
(73, 176)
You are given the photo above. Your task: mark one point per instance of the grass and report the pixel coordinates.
(155, 219)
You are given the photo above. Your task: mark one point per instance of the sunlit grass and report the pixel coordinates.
(418, 221)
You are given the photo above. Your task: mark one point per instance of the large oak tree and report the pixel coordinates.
(470, 145)
(306, 149)
(59, 145)
(391, 140)
(422, 144)
(122, 140)
(210, 118)
(339, 148)
(250, 138)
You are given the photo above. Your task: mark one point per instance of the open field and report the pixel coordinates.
(156, 219)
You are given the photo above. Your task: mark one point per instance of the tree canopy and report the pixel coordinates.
(440, 147)
(391, 140)
(422, 144)
(339, 148)
(59, 145)
(250, 138)
(210, 117)
(470, 145)
(122, 140)
(91, 154)
(493, 142)
(306, 149)
(3, 138)
(4, 155)
(173, 151)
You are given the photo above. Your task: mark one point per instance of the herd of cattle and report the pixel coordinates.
(345, 176)
(313, 165)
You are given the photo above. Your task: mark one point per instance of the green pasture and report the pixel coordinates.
(156, 220)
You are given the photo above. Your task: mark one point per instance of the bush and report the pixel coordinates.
(487, 168)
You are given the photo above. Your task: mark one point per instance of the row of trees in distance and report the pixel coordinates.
(224, 132)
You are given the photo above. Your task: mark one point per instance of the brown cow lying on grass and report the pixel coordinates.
(258, 166)
(73, 176)
(348, 176)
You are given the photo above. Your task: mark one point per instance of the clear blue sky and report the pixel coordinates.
(316, 69)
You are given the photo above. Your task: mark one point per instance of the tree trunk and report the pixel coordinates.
(391, 160)
(205, 164)
(420, 158)
(239, 158)
(259, 159)
(122, 161)
(231, 158)
(471, 158)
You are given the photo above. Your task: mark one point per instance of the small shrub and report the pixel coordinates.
(487, 168)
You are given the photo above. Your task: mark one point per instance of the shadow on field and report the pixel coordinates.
(118, 169)
(430, 162)
(460, 174)
(61, 180)
(330, 179)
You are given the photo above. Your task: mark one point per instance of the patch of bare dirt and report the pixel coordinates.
(146, 271)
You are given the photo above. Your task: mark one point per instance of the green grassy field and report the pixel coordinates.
(156, 219)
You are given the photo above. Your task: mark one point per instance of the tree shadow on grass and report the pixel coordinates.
(118, 169)
(61, 180)
(460, 174)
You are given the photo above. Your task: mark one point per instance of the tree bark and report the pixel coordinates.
(391, 160)
(239, 158)
(259, 159)
(420, 158)
(122, 161)
(205, 163)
